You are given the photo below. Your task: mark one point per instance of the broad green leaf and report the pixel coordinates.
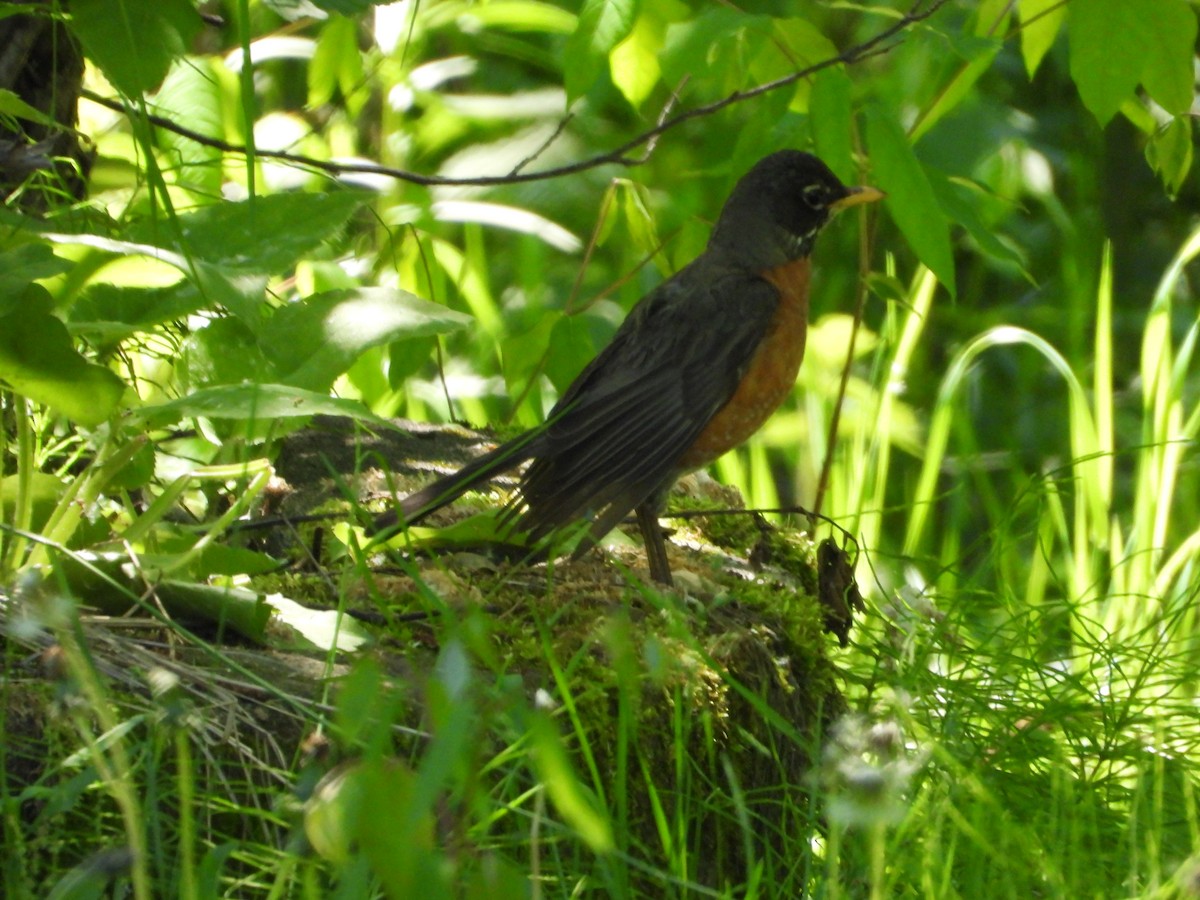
(829, 110)
(522, 355)
(633, 63)
(522, 15)
(254, 402)
(311, 342)
(337, 62)
(191, 96)
(239, 293)
(961, 200)
(571, 348)
(979, 53)
(602, 25)
(225, 351)
(1170, 153)
(37, 359)
(325, 629)
(718, 44)
(134, 42)
(1041, 20)
(991, 17)
(1117, 44)
(22, 264)
(265, 235)
(804, 42)
(911, 201)
(1169, 70)
(110, 312)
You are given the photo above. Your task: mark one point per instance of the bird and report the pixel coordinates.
(698, 365)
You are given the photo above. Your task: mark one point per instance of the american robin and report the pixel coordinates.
(697, 367)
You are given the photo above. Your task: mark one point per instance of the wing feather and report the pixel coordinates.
(615, 438)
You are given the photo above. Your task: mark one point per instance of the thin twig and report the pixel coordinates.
(881, 43)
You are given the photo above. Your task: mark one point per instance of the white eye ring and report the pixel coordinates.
(814, 196)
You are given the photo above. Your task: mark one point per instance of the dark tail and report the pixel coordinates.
(418, 505)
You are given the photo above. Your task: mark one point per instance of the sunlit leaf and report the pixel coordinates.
(266, 234)
(602, 25)
(570, 798)
(37, 359)
(134, 41)
(191, 96)
(1117, 44)
(311, 342)
(634, 61)
(22, 264)
(1041, 20)
(522, 15)
(254, 402)
(337, 62)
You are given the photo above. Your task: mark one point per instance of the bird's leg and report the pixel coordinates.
(656, 546)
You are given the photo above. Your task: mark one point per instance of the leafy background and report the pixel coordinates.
(440, 210)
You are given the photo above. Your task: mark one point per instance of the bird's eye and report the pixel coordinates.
(814, 196)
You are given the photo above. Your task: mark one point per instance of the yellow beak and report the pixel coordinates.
(857, 195)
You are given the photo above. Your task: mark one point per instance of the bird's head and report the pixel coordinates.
(778, 207)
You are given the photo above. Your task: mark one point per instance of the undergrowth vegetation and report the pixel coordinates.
(304, 219)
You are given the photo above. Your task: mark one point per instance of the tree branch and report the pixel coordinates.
(880, 43)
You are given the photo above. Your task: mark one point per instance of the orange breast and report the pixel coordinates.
(770, 376)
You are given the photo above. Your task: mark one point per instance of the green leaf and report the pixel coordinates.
(1170, 153)
(979, 53)
(576, 805)
(312, 342)
(1168, 73)
(829, 109)
(12, 105)
(522, 15)
(961, 201)
(134, 41)
(225, 351)
(911, 201)
(239, 293)
(109, 312)
(37, 359)
(254, 402)
(1041, 20)
(336, 63)
(1117, 44)
(22, 264)
(633, 63)
(522, 354)
(112, 583)
(571, 348)
(717, 44)
(44, 493)
(265, 235)
(191, 96)
(602, 25)
(344, 7)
